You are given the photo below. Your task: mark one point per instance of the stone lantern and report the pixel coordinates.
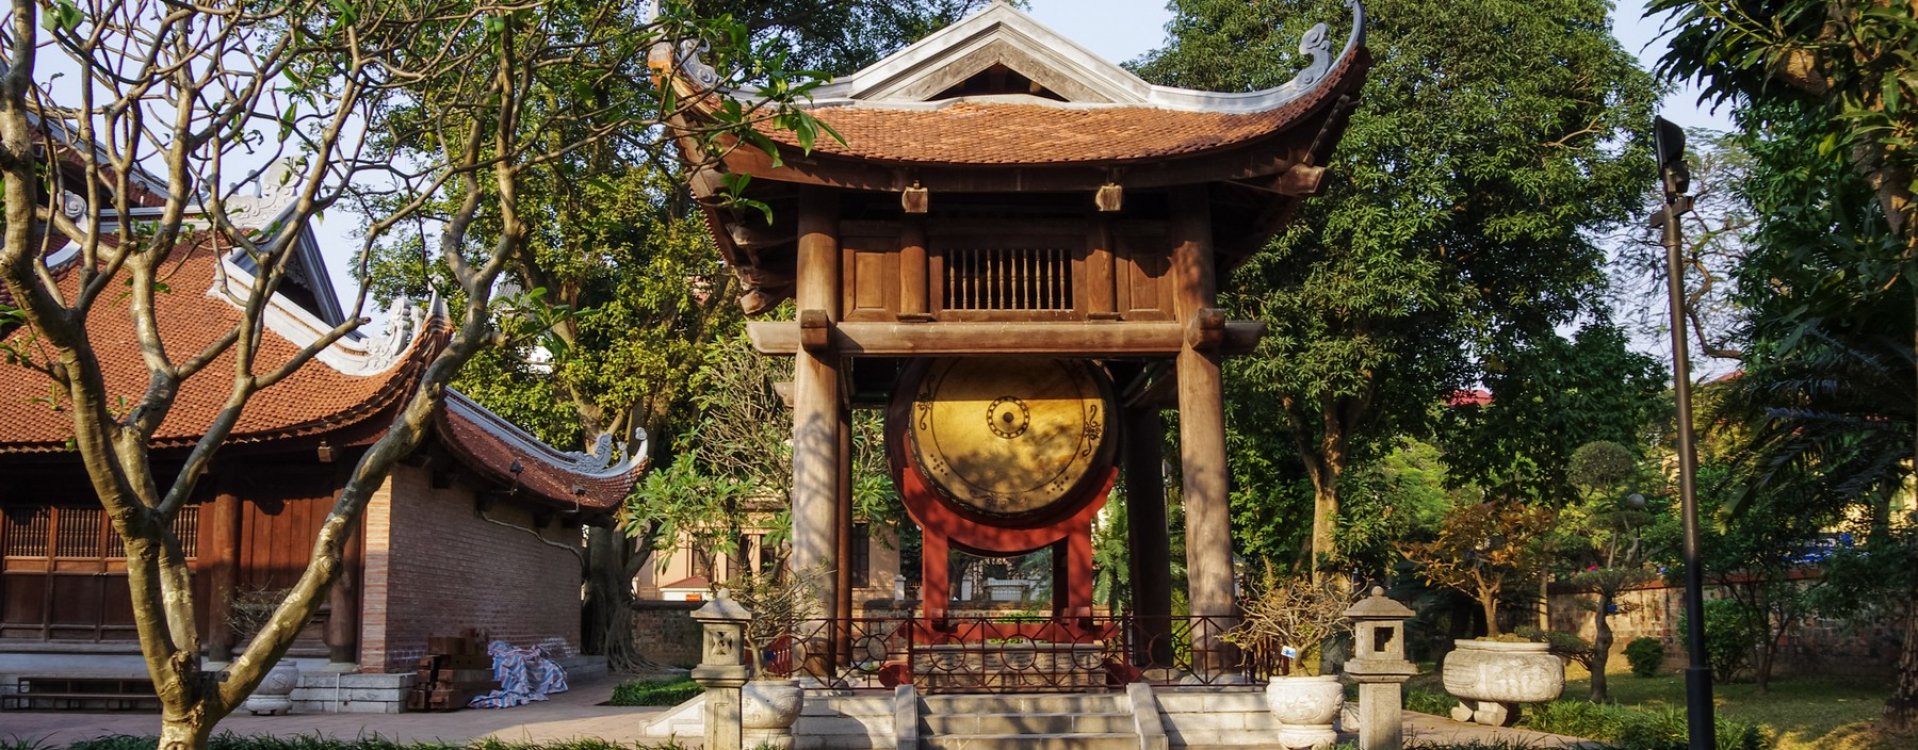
(722, 667)
(1379, 666)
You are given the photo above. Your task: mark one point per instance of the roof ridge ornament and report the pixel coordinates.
(1316, 42)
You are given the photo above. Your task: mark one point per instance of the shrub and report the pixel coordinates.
(1646, 656)
(1729, 637)
(654, 692)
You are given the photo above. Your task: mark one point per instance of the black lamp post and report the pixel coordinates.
(1675, 178)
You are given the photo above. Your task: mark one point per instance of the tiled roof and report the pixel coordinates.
(315, 399)
(1000, 132)
(495, 447)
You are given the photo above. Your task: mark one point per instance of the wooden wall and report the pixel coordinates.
(1047, 269)
(63, 569)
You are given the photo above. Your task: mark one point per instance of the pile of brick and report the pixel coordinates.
(454, 670)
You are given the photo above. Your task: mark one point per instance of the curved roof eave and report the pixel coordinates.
(500, 450)
(1114, 86)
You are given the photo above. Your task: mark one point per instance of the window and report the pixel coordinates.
(861, 562)
(1006, 278)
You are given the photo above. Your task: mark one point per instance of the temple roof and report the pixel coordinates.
(1000, 89)
(351, 381)
(348, 393)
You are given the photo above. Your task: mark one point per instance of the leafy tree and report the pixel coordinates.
(1400, 495)
(840, 36)
(1760, 557)
(1850, 69)
(1483, 548)
(1551, 395)
(1458, 211)
(429, 116)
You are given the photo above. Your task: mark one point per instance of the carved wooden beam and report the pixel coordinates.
(1205, 332)
(815, 330)
(1093, 339)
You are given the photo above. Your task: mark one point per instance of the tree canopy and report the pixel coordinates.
(1494, 138)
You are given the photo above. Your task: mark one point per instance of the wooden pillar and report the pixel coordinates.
(816, 398)
(1077, 551)
(1147, 534)
(1102, 272)
(842, 554)
(914, 292)
(1208, 527)
(935, 577)
(221, 640)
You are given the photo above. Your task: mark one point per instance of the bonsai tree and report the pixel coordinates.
(1287, 620)
(1483, 547)
(1606, 530)
(781, 607)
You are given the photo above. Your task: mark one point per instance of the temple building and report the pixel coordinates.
(479, 529)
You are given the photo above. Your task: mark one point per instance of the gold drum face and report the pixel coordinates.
(1008, 437)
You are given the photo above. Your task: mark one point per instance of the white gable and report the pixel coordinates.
(1005, 36)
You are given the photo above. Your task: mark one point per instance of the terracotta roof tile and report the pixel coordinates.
(317, 398)
(1003, 133)
(489, 444)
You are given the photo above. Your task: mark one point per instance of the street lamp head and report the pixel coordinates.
(1668, 140)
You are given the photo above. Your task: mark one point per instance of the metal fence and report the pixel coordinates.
(1013, 654)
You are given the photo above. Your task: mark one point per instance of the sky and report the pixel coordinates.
(1121, 30)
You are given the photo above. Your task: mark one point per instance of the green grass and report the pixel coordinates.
(654, 692)
(1802, 713)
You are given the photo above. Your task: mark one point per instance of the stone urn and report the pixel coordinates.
(1492, 679)
(1305, 708)
(274, 696)
(767, 710)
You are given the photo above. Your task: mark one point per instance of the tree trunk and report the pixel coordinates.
(607, 606)
(1488, 602)
(190, 732)
(1901, 710)
(1601, 646)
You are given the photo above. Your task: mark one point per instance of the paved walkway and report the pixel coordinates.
(572, 715)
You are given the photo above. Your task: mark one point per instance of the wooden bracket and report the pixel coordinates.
(915, 199)
(1206, 330)
(1110, 198)
(1301, 179)
(815, 330)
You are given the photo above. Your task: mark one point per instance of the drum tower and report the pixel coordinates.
(1016, 252)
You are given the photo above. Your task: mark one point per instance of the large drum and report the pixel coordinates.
(1003, 456)
(1006, 441)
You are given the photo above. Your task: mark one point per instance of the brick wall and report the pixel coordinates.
(434, 567)
(666, 632)
(1814, 645)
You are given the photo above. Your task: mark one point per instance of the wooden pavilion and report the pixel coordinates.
(1003, 196)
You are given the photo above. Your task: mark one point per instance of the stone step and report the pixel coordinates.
(1035, 723)
(1060, 703)
(1056, 741)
